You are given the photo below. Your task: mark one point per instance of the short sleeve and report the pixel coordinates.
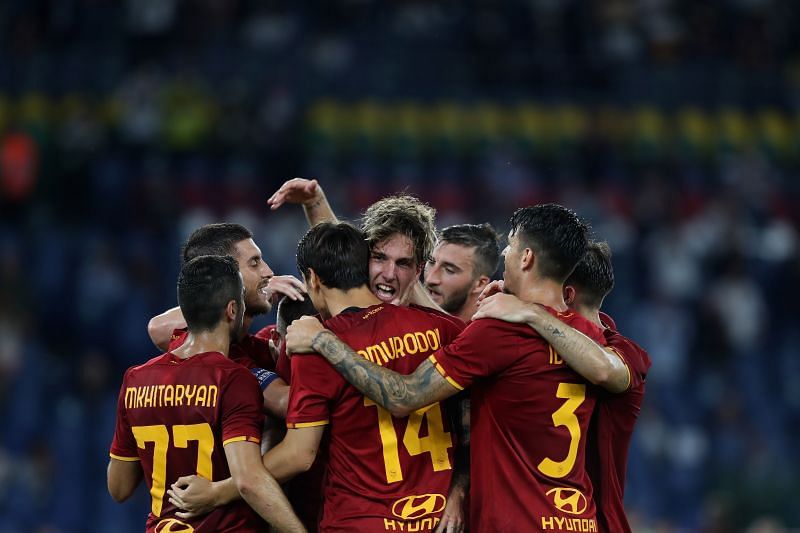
(634, 357)
(315, 384)
(241, 412)
(486, 347)
(123, 445)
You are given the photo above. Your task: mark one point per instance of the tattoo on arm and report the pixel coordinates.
(555, 331)
(392, 391)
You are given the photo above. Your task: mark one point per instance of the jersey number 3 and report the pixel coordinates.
(181, 435)
(565, 416)
(436, 443)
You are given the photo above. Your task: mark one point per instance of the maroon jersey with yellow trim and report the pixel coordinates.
(611, 431)
(530, 417)
(175, 415)
(250, 351)
(384, 473)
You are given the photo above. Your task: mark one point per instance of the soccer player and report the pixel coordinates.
(463, 262)
(530, 411)
(620, 369)
(401, 233)
(400, 229)
(167, 329)
(194, 409)
(383, 472)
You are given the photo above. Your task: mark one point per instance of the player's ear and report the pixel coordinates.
(569, 294)
(231, 310)
(312, 280)
(480, 284)
(527, 259)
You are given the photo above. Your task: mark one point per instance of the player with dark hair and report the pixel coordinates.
(531, 412)
(621, 369)
(463, 262)
(374, 475)
(167, 329)
(193, 409)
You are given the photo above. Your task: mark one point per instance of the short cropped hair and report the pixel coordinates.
(337, 252)
(205, 286)
(290, 310)
(405, 215)
(214, 239)
(593, 275)
(483, 238)
(556, 234)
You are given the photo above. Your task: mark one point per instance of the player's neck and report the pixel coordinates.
(467, 310)
(592, 314)
(545, 292)
(338, 300)
(216, 340)
(247, 321)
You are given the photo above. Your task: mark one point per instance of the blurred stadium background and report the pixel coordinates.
(672, 125)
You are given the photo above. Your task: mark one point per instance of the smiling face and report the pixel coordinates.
(450, 275)
(392, 269)
(256, 274)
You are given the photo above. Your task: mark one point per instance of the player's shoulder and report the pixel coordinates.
(629, 349)
(494, 330)
(436, 314)
(153, 362)
(579, 322)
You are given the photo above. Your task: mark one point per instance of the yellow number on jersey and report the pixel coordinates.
(182, 434)
(565, 416)
(436, 443)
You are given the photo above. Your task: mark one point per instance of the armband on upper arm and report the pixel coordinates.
(264, 377)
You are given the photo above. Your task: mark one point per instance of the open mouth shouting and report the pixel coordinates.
(384, 292)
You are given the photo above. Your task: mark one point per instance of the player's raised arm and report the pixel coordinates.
(307, 193)
(397, 393)
(600, 365)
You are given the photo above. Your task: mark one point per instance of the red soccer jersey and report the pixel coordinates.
(530, 416)
(250, 351)
(384, 473)
(611, 431)
(175, 415)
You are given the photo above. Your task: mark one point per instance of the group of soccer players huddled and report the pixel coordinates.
(401, 389)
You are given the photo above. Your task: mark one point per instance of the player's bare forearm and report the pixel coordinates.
(421, 297)
(266, 498)
(319, 210)
(258, 488)
(581, 353)
(399, 394)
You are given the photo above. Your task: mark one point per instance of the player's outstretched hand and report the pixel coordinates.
(505, 307)
(300, 334)
(453, 516)
(494, 287)
(192, 494)
(285, 286)
(296, 191)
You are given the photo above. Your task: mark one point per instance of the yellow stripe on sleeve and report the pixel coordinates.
(239, 439)
(441, 370)
(126, 459)
(299, 425)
